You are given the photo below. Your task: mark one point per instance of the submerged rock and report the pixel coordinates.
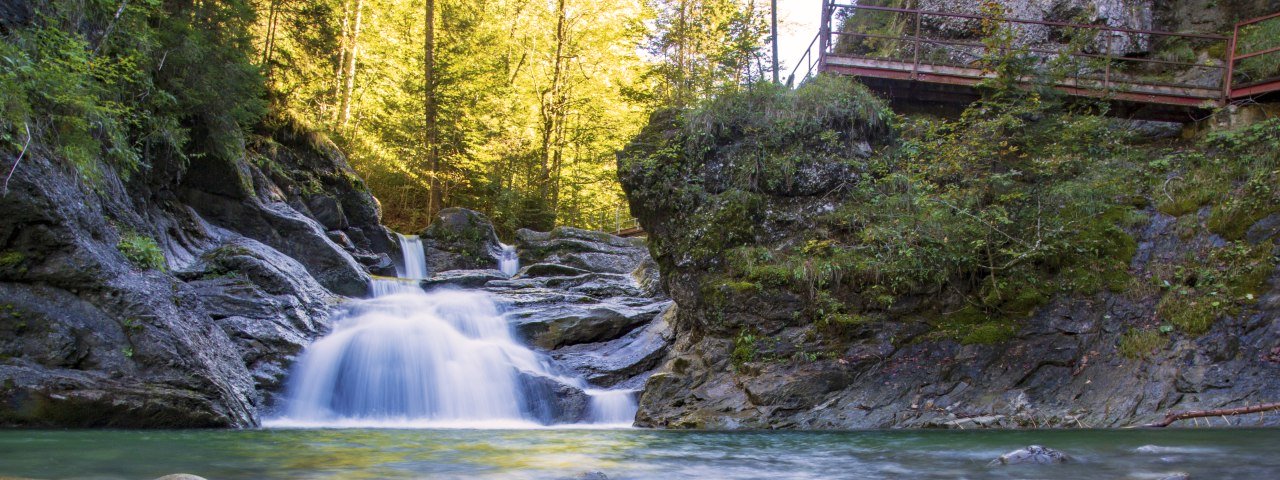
(462, 279)
(1032, 455)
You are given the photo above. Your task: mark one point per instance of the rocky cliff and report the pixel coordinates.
(816, 289)
(175, 297)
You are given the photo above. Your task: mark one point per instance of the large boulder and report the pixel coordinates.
(583, 249)
(568, 324)
(567, 403)
(460, 239)
(609, 363)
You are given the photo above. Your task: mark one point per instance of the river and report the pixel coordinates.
(631, 454)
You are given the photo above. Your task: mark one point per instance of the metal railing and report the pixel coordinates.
(1249, 86)
(917, 48)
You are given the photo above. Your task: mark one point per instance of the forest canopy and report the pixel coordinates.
(512, 107)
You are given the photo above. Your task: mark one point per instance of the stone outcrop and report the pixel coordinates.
(746, 356)
(459, 239)
(590, 300)
(240, 269)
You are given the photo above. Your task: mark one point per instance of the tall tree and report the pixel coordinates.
(432, 133)
(349, 67)
(703, 47)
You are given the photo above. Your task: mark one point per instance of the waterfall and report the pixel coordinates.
(407, 357)
(415, 260)
(445, 358)
(613, 407)
(508, 259)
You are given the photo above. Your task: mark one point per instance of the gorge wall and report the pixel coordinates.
(178, 296)
(833, 271)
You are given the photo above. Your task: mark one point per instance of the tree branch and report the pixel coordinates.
(1183, 415)
(5, 191)
(110, 26)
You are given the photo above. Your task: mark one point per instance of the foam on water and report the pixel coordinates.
(445, 359)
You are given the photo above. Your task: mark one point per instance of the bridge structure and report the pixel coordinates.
(927, 59)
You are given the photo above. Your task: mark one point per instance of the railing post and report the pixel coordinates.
(915, 55)
(1231, 65)
(1106, 75)
(824, 40)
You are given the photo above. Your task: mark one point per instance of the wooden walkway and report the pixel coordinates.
(919, 68)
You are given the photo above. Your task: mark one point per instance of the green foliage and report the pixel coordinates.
(745, 348)
(703, 48)
(1142, 343)
(141, 251)
(125, 91)
(1215, 284)
(1258, 37)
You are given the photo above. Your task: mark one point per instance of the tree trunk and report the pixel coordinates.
(553, 106)
(429, 111)
(273, 14)
(340, 70)
(353, 53)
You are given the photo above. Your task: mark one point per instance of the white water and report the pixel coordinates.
(415, 259)
(508, 260)
(613, 407)
(411, 359)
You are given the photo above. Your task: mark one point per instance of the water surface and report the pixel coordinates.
(631, 454)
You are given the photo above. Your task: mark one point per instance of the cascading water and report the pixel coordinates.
(612, 407)
(508, 259)
(415, 259)
(445, 358)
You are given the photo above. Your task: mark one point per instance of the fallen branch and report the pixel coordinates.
(5, 191)
(1175, 416)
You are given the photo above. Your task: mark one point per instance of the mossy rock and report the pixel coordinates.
(463, 232)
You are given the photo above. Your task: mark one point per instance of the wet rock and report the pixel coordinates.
(609, 363)
(549, 270)
(591, 476)
(1032, 455)
(90, 340)
(462, 279)
(571, 404)
(583, 249)
(379, 264)
(560, 325)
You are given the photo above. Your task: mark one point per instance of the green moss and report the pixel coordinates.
(989, 334)
(11, 258)
(972, 326)
(141, 250)
(1140, 343)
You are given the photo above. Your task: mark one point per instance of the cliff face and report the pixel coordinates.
(771, 332)
(175, 298)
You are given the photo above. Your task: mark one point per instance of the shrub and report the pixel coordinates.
(141, 251)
